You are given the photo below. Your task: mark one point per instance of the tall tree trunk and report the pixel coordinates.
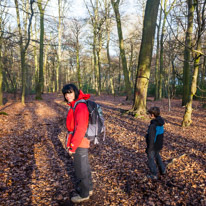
(22, 53)
(108, 30)
(110, 73)
(1, 72)
(115, 5)
(34, 36)
(131, 63)
(23, 48)
(3, 21)
(203, 76)
(145, 56)
(1, 63)
(59, 45)
(119, 76)
(41, 50)
(188, 44)
(173, 77)
(95, 63)
(95, 21)
(187, 120)
(157, 58)
(162, 51)
(162, 46)
(78, 64)
(99, 60)
(169, 90)
(45, 67)
(109, 63)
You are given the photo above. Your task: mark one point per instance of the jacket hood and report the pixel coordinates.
(81, 96)
(158, 121)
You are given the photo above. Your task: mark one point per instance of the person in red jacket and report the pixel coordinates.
(77, 144)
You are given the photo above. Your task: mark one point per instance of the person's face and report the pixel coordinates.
(70, 96)
(151, 116)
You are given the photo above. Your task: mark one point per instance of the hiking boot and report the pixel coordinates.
(90, 191)
(152, 177)
(78, 199)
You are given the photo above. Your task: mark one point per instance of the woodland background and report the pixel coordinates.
(130, 55)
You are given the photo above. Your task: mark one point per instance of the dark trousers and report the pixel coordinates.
(153, 157)
(83, 171)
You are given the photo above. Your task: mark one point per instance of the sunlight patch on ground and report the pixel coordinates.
(43, 111)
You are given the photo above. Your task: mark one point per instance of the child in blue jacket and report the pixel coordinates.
(154, 140)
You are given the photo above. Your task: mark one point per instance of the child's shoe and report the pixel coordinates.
(78, 199)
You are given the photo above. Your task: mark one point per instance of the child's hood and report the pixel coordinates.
(158, 121)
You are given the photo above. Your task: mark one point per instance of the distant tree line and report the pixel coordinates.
(162, 54)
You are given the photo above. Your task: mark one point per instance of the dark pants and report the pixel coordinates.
(83, 171)
(153, 157)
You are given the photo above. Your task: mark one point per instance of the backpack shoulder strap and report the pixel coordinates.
(77, 102)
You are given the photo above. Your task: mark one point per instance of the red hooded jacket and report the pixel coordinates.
(77, 122)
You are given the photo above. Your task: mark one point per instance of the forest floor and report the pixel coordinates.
(35, 168)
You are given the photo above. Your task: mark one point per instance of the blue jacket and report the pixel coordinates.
(154, 137)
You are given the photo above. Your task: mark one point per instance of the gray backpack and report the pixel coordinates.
(96, 129)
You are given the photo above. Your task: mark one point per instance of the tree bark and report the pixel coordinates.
(45, 67)
(59, 46)
(95, 61)
(115, 5)
(188, 44)
(34, 36)
(162, 52)
(131, 63)
(161, 71)
(108, 30)
(95, 20)
(99, 60)
(187, 119)
(1, 63)
(23, 48)
(40, 85)
(1, 73)
(157, 61)
(78, 63)
(145, 57)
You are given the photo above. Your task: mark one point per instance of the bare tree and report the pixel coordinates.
(2, 24)
(23, 45)
(161, 70)
(40, 85)
(145, 56)
(197, 53)
(187, 52)
(115, 5)
(76, 30)
(97, 18)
